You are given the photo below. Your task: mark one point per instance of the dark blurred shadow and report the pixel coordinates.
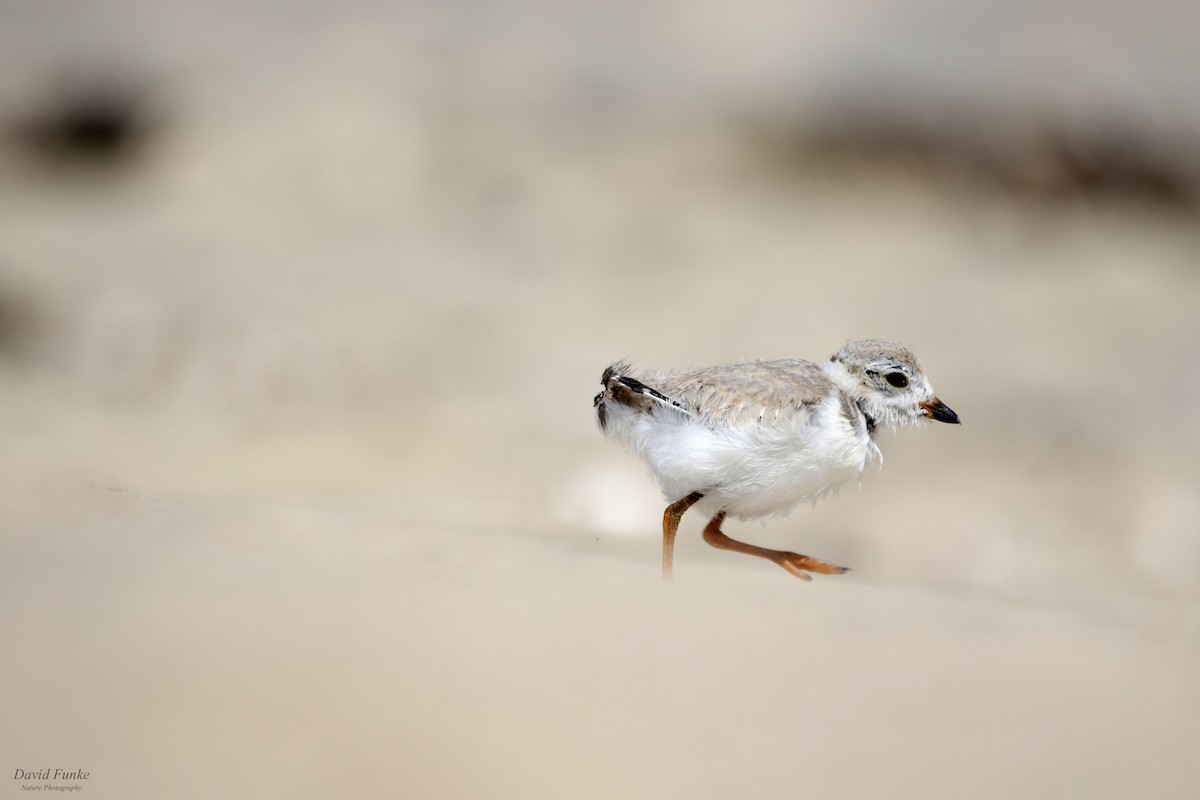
(101, 121)
(1026, 155)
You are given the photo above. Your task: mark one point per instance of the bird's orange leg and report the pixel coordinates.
(794, 563)
(670, 525)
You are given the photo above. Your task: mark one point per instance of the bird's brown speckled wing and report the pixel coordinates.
(770, 392)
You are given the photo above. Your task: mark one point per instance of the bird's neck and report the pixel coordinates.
(848, 384)
(841, 377)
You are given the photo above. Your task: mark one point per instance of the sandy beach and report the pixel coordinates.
(302, 494)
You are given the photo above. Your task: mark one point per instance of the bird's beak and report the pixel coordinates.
(936, 409)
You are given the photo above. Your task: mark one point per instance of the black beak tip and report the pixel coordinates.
(937, 410)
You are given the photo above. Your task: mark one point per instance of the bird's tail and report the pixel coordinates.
(620, 389)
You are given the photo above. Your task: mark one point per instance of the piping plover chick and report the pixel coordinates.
(752, 439)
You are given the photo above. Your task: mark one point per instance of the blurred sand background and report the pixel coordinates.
(303, 305)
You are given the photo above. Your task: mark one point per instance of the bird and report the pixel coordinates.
(752, 439)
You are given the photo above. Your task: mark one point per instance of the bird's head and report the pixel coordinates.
(888, 383)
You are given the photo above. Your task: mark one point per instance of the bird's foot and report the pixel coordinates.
(800, 565)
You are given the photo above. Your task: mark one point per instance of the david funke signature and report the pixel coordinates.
(44, 775)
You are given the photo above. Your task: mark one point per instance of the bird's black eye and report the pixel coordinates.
(897, 379)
